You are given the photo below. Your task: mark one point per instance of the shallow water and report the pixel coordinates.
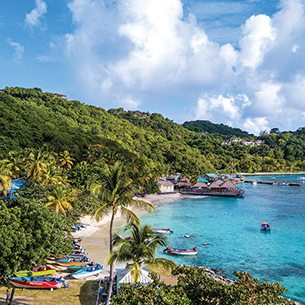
(232, 228)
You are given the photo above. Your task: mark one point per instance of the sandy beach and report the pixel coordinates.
(95, 235)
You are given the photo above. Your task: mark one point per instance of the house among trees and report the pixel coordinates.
(243, 142)
(60, 95)
(166, 186)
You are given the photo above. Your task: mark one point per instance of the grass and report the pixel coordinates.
(79, 293)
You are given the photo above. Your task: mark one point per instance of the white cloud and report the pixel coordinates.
(18, 49)
(32, 19)
(258, 39)
(130, 103)
(255, 125)
(149, 51)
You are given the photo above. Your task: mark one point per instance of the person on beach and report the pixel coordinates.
(8, 295)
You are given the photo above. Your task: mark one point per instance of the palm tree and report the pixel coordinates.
(139, 249)
(36, 164)
(15, 164)
(5, 178)
(60, 199)
(65, 160)
(116, 195)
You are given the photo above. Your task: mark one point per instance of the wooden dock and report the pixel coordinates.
(272, 182)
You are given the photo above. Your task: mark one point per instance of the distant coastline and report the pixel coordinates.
(272, 173)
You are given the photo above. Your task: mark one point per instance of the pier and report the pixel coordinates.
(271, 182)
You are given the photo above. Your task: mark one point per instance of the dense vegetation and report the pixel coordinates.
(209, 127)
(77, 159)
(195, 287)
(30, 118)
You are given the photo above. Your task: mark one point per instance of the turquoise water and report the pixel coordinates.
(232, 228)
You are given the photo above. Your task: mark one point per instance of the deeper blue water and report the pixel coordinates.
(232, 228)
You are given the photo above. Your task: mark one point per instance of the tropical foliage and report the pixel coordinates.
(139, 250)
(195, 287)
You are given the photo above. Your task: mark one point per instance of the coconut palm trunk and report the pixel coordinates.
(116, 195)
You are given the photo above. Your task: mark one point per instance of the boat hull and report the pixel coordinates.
(181, 252)
(162, 231)
(34, 273)
(37, 282)
(60, 263)
(86, 272)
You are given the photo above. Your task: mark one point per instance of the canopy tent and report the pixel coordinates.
(124, 276)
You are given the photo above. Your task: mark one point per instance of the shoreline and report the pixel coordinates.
(95, 235)
(272, 173)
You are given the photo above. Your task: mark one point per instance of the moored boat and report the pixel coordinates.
(265, 226)
(175, 251)
(86, 272)
(37, 271)
(162, 231)
(39, 282)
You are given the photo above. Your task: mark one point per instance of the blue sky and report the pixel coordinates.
(240, 63)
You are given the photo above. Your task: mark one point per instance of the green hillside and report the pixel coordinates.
(30, 118)
(209, 127)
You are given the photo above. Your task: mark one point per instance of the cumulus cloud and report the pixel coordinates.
(32, 19)
(18, 49)
(149, 51)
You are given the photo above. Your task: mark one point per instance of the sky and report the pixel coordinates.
(240, 63)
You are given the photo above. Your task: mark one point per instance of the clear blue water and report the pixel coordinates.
(232, 228)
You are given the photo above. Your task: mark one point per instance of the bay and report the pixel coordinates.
(231, 226)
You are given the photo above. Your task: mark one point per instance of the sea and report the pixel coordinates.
(231, 227)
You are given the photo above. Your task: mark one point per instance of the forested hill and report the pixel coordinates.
(209, 127)
(30, 118)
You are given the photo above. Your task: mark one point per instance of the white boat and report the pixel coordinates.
(175, 251)
(162, 231)
(86, 272)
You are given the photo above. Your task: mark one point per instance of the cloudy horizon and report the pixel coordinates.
(240, 63)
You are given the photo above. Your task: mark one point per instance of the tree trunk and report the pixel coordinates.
(111, 266)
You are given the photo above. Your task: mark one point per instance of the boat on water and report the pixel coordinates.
(42, 282)
(265, 226)
(37, 271)
(162, 231)
(175, 251)
(188, 236)
(86, 272)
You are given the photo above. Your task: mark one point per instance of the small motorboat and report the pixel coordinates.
(39, 282)
(175, 251)
(37, 271)
(86, 272)
(188, 236)
(162, 231)
(205, 244)
(265, 226)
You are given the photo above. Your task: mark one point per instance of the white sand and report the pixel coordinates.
(96, 234)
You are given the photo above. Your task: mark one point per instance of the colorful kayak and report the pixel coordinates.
(39, 282)
(76, 268)
(175, 251)
(71, 263)
(86, 272)
(162, 231)
(37, 271)
(265, 226)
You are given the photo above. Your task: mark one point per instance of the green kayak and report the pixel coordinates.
(76, 268)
